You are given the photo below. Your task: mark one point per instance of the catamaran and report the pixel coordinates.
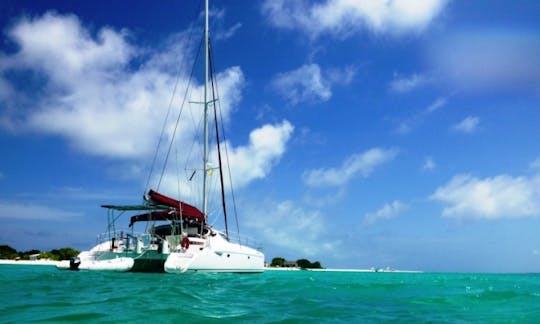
(184, 240)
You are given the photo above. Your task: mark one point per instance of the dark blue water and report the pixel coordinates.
(43, 293)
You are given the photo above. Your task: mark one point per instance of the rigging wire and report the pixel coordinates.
(162, 131)
(226, 152)
(217, 141)
(154, 160)
(179, 115)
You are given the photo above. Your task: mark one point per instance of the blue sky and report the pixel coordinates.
(359, 133)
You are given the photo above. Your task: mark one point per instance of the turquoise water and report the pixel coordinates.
(43, 293)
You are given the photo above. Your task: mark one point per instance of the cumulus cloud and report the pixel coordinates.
(305, 84)
(340, 18)
(468, 125)
(488, 60)
(310, 83)
(360, 164)
(290, 226)
(502, 196)
(403, 84)
(247, 163)
(108, 97)
(68, 50)
(93, 95)
(388, 211)
(255, 160)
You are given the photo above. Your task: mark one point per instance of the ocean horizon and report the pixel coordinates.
(44, 293)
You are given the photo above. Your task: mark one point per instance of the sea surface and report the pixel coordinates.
(45, 294)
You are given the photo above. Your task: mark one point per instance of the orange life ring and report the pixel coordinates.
(185, 243)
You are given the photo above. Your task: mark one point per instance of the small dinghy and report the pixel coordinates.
(122, 264)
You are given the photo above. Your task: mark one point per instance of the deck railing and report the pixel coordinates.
(245, 241)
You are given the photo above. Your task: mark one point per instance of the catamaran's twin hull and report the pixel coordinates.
(149, 261)
(213, 254)
(121, 264)
(215, 261)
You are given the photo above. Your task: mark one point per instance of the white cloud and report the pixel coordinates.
(467, 125)
(105, 105)
(97, 100)
(388, 211)
(402, 84)
(21, 211)
(254, 161)
(340, 75)
(289, 226)
(340, 18)
(304, 84)
(501, 196)
(488, 60)
(226, 34)
(361, 164)
(219, 29)
(415, 120)
(436, 105)
(52, 41)
(309, 83)
(247, 163)
(92, 97)
(429, 164)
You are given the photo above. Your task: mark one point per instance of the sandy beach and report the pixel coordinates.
(30, 262)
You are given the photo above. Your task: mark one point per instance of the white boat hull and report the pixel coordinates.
(211, 252)
(211, 261)
(102, 258)
(215, 255)
(122, 264)
(119, 264)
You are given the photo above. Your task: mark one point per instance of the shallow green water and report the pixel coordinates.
(43, 293)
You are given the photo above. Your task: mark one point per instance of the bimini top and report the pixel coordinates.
(161, 207)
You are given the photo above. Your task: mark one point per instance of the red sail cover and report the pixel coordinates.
(186, 210)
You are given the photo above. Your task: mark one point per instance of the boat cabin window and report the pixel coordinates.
(192, 229)
(162, 230)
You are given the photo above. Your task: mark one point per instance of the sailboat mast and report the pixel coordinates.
(206, 101)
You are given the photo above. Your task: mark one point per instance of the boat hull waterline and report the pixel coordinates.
(121, 264)
(215, 254)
